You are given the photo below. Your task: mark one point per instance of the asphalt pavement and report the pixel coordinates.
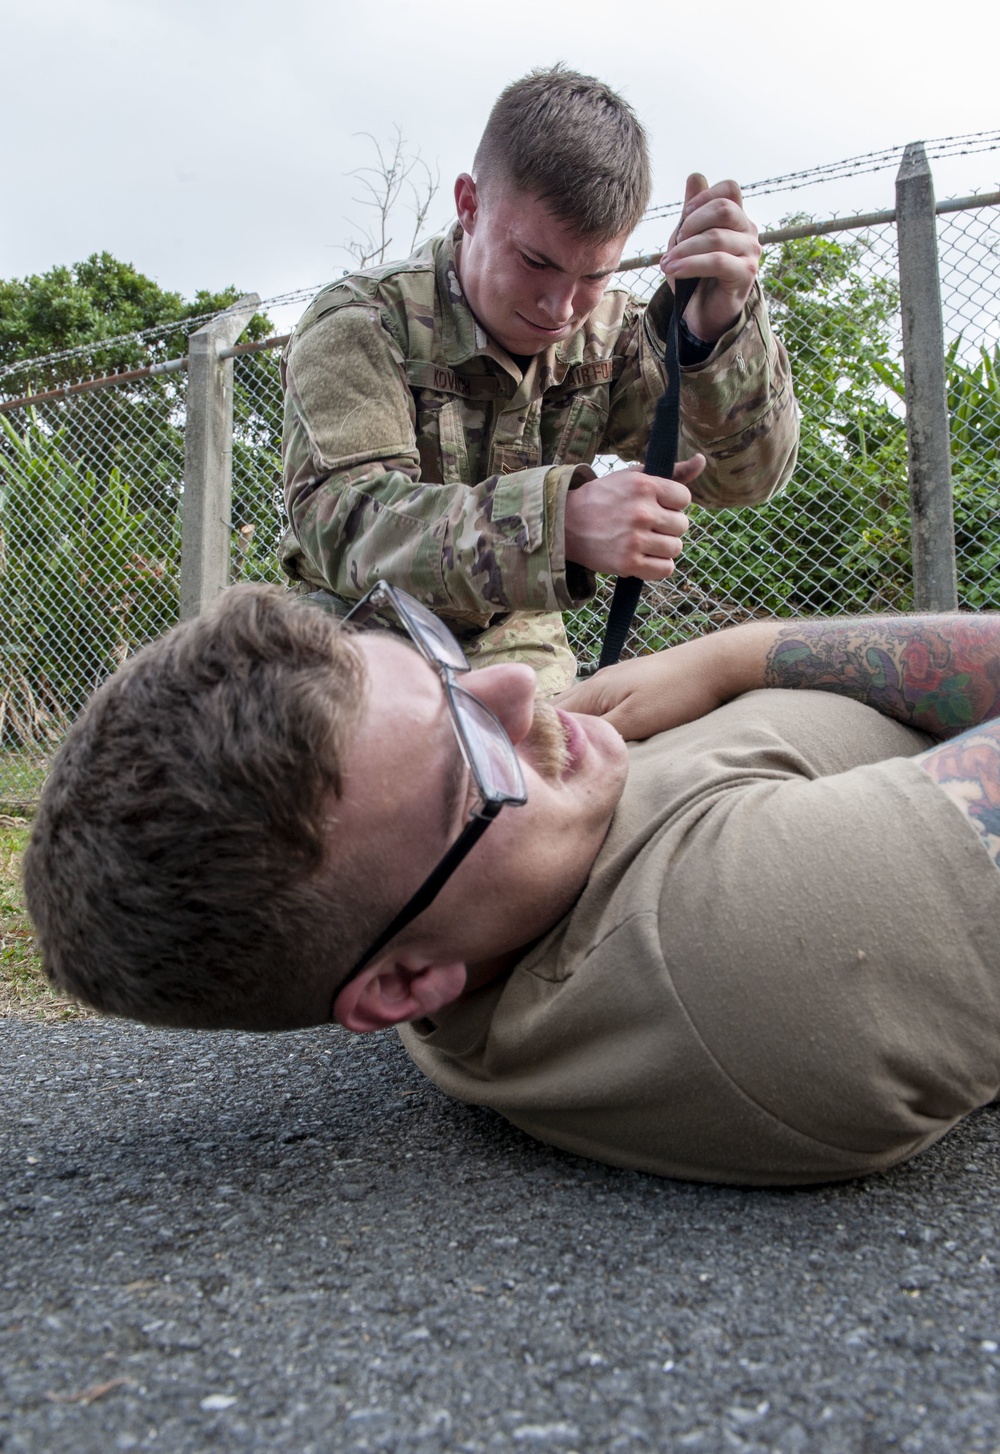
(294, 1243)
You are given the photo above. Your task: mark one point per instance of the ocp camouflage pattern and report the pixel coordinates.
(416, 450)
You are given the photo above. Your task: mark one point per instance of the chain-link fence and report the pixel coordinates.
(837, 539)
(92, 476)
(90, 542)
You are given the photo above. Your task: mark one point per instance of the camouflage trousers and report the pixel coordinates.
(538, 640)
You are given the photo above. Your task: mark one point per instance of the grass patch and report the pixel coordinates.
(21, 776)
(23, 988)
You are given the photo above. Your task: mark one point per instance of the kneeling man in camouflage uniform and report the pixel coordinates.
(442, 413)
(758, 943)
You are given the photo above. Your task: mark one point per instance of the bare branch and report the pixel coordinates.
(422, 196)
(382, 185)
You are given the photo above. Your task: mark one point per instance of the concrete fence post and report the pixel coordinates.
(206, 526)
(932, 525)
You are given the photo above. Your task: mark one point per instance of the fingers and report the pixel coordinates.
(734, 271)
(718, 206)
(671, 524)
(663, 527)
(650, 568)
(656, 541)
(697, 192)
(600, 695)
(629, 523)
(695, 186)
(715, 235)
(668, 494)
(655, 562)
(714, 239)
(658, 550)
(720, 213)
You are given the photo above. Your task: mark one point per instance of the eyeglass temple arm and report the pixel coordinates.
(367, 606)
(431, 886)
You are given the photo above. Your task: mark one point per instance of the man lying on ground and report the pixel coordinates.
(760, 944)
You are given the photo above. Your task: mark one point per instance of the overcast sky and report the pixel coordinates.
(208, 142)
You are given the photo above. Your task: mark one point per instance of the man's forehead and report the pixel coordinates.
(530, 222)
(395, 671)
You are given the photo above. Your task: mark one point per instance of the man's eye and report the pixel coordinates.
(532, 263)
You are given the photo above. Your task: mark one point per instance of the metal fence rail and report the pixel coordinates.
(94, 560)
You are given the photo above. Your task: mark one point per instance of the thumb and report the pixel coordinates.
(687, 470)
(695, 183)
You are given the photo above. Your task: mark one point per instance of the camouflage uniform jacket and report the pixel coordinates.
(415, 448)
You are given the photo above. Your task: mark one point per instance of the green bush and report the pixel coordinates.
(85, 577)
(837, 540)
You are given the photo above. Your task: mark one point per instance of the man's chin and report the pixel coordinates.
(529, 342)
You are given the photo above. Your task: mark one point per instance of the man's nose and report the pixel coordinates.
(509, 692)
(557, 302)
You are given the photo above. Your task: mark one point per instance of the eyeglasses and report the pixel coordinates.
(486, 749)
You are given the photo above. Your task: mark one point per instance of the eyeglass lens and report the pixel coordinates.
(434, 635)
(490, 751)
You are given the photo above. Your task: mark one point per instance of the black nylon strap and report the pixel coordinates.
(661, 457)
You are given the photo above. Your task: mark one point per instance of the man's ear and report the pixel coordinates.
(466, 202)
(405, 986)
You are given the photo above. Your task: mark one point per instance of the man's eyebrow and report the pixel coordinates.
(539, 257)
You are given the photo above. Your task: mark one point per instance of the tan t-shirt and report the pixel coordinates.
(785, 966)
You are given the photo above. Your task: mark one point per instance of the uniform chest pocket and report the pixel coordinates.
(441, 441)
(572, 430)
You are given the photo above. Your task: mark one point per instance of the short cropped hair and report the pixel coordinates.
(572, 142)
(176, 871)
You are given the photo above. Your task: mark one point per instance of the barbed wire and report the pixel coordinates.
(180, 325)
(79, 350)
(968, 144)
(297, 295)
(872, 161)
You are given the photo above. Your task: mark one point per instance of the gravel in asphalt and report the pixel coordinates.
(294, 1243)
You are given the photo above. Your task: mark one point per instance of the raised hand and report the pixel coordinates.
(716, 242)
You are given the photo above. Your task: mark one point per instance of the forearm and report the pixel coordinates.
(737, 407)
(940, 674)
(738, 410)
(469, 552)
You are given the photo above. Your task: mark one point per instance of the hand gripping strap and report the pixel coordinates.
(661, 457)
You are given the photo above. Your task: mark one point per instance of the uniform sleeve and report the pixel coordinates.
(737, 407)
(360, 510)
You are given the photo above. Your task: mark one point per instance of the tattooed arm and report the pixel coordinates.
(940, 674)
(968, 769)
